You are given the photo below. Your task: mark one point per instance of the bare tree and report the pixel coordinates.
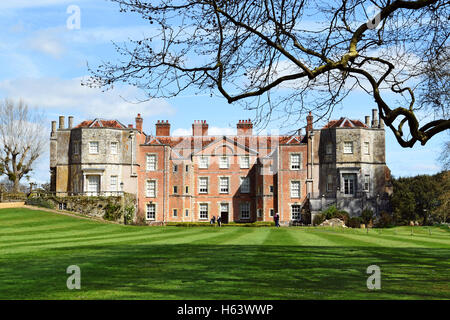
(288, 57)
(21, 140)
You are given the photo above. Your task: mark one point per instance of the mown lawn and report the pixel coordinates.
(128, 262)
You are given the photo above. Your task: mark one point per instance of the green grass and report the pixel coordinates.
(128, 262)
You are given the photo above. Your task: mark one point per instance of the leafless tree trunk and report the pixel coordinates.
(21, 140)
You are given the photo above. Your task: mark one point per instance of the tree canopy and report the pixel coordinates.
(296, 56)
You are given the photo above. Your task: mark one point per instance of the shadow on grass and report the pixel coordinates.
(185, 271)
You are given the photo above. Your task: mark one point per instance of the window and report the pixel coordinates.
(330, 182)
(175, 189)
(150, 188)
(366, 182)
(349, 183)
(203, 162)
(366, 148)
(295, 161)
(203, 211)
(93, 147)
(187, 168)
(245, 185)
(295, 189)
(329, 148)
(151, 211)
(175, 212)
(151, 162)
(175, 168)
(75, 147)
(187, 189)
(114, 147)
(113, 183)
(186, 213)
(245, 162)
(295, 212)
(223, 162)
(348, 147)
(245, 210)
(203, 185)
(224, 184)
(271, 212)
(259, 213)
(271, 189)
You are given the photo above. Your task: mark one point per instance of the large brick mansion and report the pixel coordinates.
(242, 178)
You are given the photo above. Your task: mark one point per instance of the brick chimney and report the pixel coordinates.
(139, 122)
(199, 128)
(162, 128)
(244, 128)
(309, 122)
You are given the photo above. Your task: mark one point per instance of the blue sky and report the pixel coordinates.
(43, 62)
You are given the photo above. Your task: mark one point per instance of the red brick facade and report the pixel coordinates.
(242, 178)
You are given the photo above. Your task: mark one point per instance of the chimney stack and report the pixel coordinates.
(130, 126)
(162, 128)
(244, 128)
(381, 123)
(367, 121)
(70, 122)
(139, 122)
(61, 122)
(199, 128)
(374, 118)
(53, 126)
(309, 123)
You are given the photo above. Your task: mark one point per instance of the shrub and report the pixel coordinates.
(354, 222)
(112, 212)
(366, 216)
(129, 212)
(384, 221)
(318, 219)
(39, 202)
(330, 212)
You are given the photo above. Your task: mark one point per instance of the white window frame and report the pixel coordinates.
(245, 187)
(244, 207)
(114, 150)
(295, 192)
(293, 165)
(76, 146)
(97, 149)
(225, 189)
(113, 186)
(151, 166)
(366, 146)
(186, 212)
(223, 165)
(298, 214)
(175, 212)
(366, 182)
(352, 189)
(147, 189)
(348, 147)
(147, 212)
(203, 162)
(245, 162)
(271, 213)
(259, 213)
(201, 209)
(175, 189)
(200, 179)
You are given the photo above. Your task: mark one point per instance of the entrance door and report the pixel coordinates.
(93, 187)
(224, 212)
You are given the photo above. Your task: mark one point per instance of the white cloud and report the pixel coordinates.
(67, 95)
(47, 43)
